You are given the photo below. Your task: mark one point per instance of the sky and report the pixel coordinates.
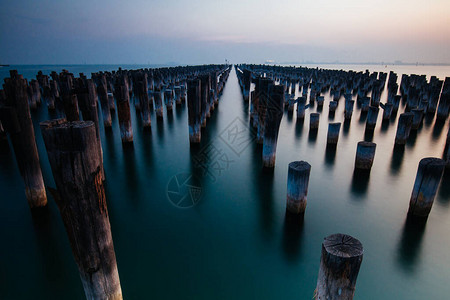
(210, 31)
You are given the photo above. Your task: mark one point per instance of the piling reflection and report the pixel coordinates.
(299, 127)
(312, 136)
(346, 127)
(360, 182)
(330, 155)
(368, 134)
(397, 158)
(444, 188)
(293, 229)
(411, 243)
(437, 129)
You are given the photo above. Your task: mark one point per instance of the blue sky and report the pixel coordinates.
(192, 32)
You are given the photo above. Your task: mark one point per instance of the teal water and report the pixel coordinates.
(235, 242)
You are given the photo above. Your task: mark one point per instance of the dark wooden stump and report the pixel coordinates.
(297, 186)
(365, 153)
(339, 267)
(72, 149)
(16, 120)
(427, 181)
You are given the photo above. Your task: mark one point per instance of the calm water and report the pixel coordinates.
(235, 242)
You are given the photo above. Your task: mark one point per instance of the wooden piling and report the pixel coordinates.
(301, 107)
(141, 87)
(314, 121)
(69, 98)
(168, 99)
(348, 111)
(157, 96)
(16, 120)
(365, 154)
(102, 91)
(274, 115)
(194, 110)
(122, 95)
(403, 128)
(417, 119)
(427, 181)
(297, 187)
(72, 149)
(372, 117)
(339, 267)
(333, 133)
(387, 110)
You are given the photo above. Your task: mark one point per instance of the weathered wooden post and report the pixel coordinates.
(365, 153)
(444, 101)
(339, 267)
(301, 107)
(297, 187)
(333, 133)
(387, 110)
(332, 106)
(16, 120)
(365, 103)
(403, 128)
(194, 110)
(72, 149)
(104, 103)
(428, 177)
(396, 103)
(121, 92)
(157, 95)
(314, 121)
(177, 90)
(112, 104)
(168, 99)
(204, 95)
(348, 111)
(417, 119)
(320, 101)
(372, 117)
(274, 115)
(69, 98)
(141, 87)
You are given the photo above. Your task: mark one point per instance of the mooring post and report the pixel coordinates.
(387, 110)
(16, 120)
(301, 107)
(365, 153)
(142, 90)
(372, 117)
(194, 110)
(348, 111)
(427, 181)
(274, 115)
(168, 99)
(314, 121)
(417, 119)
(69, 98)
(104, 103)
(297, 186)
(333, 133)
(177, 90)
(72, 149)
(121, 92)
(403, 128)
(157, 96)
(339, 267)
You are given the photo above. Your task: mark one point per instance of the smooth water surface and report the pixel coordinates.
(236, 243)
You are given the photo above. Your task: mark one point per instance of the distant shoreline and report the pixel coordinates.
(365, 63)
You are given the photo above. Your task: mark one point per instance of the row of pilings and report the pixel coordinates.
(274, 88)
(74, 147)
